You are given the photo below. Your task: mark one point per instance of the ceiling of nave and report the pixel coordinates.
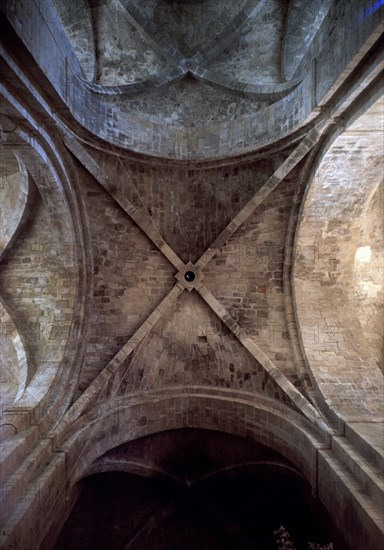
(190, 231)
(204, 45)
(231, 225)
(191, 75)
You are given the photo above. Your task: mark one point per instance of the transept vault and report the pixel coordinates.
(191, 273)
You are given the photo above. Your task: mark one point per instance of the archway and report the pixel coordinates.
(194, 489)
(338, 272)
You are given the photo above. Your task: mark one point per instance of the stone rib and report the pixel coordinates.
(211, 48)
(245, 89)
(294, 158)
(153, 82)
(130, 205)
(288, 388)
(141, 333)
(87, 399)
(152, 522)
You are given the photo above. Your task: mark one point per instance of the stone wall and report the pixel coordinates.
(332, 224)
(266, 342)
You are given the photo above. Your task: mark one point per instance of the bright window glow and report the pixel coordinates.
(363, 254)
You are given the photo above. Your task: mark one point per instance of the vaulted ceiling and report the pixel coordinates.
(194, 79)
(177, 243)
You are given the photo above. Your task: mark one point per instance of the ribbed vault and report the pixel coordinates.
(208, 475)
(190, 240)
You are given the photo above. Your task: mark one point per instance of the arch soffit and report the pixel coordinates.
(300, 276)
(47, 163)
(122, 420)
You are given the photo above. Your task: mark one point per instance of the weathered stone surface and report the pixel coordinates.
(153, 282)
(124, 122)
(336, 254)
(36, 288)
(131, 277)
(190, 346)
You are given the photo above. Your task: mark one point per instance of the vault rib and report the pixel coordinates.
(87, 399)
(153, 521)
(288, 388)
(197, 64)
(277, 177)
(152, 82)
(130, 205)
(213, 48)
(244, 89)
(210, 49)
